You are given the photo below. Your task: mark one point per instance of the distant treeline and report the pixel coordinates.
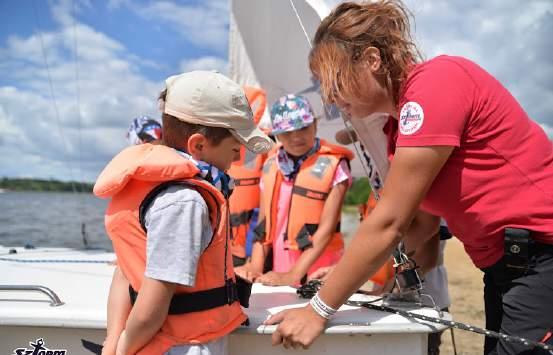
(44, 185)
(359, 192)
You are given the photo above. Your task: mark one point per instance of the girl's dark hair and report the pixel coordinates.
(351, 28)
(176, 133)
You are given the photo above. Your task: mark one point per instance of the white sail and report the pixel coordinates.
(269, 48)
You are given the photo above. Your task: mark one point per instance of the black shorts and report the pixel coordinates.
(520, 303)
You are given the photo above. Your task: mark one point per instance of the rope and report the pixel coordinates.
(456, 325)
(77, 94)
(309, 289)
(301, 23)
(57, 261)
(53, 97)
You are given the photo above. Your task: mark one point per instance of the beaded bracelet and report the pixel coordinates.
(321, 308)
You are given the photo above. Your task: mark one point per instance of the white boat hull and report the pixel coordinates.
(81, 279)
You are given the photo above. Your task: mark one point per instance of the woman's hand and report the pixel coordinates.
(273, 278)
(296, 327)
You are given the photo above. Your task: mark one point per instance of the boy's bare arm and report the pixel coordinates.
(147, 316)
(118, 309)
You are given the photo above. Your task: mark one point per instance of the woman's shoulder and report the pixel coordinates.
(446, 67)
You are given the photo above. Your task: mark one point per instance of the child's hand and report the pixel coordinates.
(321, 273)
(109, 346)
(246, 273)
(122, 346)
(273, 278)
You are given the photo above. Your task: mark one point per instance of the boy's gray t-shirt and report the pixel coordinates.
(178, 231)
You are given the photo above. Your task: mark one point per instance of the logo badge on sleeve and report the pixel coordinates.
(411, 118)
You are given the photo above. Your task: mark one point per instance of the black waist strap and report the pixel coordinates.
(199, 301)
(238, 219)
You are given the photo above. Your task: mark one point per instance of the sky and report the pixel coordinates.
(73, 73)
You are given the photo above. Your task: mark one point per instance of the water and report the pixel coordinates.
(47, 219)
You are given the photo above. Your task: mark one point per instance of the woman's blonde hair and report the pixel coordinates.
(344, 36)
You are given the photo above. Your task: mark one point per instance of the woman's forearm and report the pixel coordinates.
(370, 248)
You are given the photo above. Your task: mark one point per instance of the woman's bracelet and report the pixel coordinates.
(321, 308)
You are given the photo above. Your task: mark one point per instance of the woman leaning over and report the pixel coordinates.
(463, 149)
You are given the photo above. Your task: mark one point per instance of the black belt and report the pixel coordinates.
(200, 300)
(238, 219)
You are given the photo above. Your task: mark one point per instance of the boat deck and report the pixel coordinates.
(81, 279)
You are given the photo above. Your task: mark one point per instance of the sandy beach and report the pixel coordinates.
(467, 300)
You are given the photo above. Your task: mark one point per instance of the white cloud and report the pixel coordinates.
(510, 41)
(205, 23)
(111, 91)
(205, 63)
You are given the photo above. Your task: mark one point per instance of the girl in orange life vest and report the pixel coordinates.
(246, 172)
(464, 149)
(206, 118)
(303, 186)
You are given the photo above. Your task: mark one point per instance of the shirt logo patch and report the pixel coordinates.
(411, 118)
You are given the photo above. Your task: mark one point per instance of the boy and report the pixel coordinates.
(168, 221)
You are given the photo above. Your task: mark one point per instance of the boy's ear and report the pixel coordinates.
(196, 144)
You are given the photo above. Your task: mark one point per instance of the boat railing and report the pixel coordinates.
(54, 299)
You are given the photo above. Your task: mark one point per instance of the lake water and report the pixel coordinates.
(54, 220)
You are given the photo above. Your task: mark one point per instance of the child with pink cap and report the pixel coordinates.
(303, 185)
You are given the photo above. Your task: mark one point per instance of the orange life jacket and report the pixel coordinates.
(246, 174)
(128, 179)
(309, 192)
(386, 271)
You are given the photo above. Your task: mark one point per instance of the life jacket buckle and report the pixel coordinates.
(232, 294)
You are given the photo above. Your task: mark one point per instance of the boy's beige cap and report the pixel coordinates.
(211, 99)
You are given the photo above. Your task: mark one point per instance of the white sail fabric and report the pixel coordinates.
(269, 49)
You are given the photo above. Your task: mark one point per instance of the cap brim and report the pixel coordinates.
(346, 136)
(254, 139)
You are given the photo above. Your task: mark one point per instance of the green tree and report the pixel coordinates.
(358, 192)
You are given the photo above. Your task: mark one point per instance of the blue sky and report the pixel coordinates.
(125, 50)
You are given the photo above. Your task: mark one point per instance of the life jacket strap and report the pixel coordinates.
(308, 193)
(199, 301)
(246, 182)
(238, 219)
(303, 239)
(260, 231)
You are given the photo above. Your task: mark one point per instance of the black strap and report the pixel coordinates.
(302, 239)
(445, 234)
(238, 219)
(308, 193)
(259, 231)
(308, 229)
(246, 182)
(199, 301)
